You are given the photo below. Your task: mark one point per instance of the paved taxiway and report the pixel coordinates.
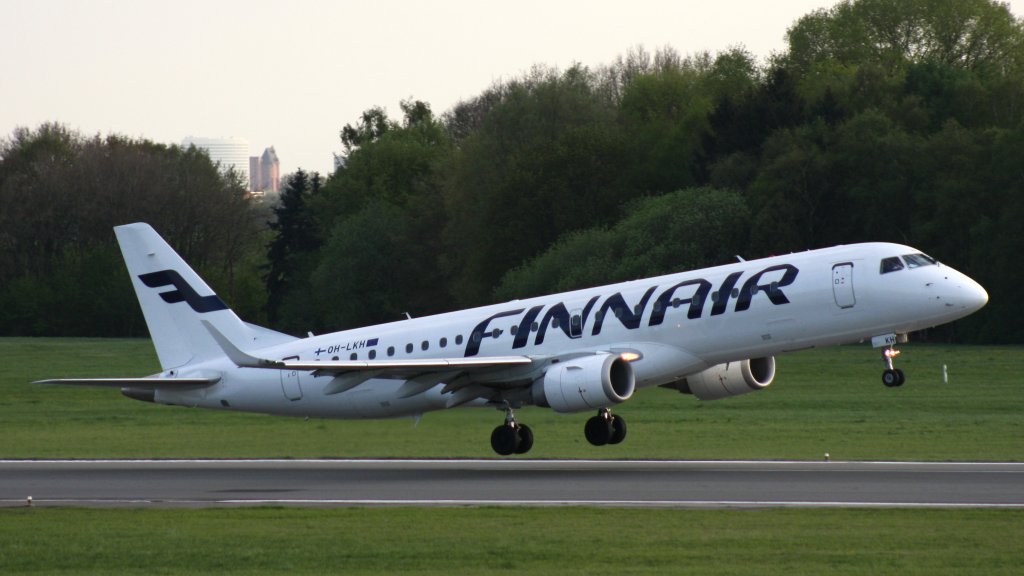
(509, 482)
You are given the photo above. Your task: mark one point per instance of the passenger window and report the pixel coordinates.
(425, 345)
(444, 342)
(391, 350)
(513, 329)
(353, 356)
(458, 339)
(408, 348)
(890, 265)
(373, 354)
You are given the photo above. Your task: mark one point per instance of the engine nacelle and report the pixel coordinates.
(585, 383)
(730, 379)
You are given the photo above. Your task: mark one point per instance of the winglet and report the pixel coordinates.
(240, 358)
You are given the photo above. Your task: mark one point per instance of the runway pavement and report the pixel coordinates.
(664, 484)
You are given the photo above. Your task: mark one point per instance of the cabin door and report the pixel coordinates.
(290, 383)
(842, 285)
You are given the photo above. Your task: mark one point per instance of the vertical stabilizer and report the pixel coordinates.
(176, 301)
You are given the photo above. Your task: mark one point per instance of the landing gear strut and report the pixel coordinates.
(891, 377)
(605, 428)
(511, 437)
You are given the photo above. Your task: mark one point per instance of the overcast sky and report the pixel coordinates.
(292, 73)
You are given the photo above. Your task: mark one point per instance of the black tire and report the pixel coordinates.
(618, 430)
(598, 431)
(525, 439)
(890, 378)
(900, 378)
(504, 440)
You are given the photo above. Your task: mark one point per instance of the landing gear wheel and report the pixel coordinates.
(889, 378)
(525, 439)
(505, 440)
(893, 378)
(598, 430)
(618, 430)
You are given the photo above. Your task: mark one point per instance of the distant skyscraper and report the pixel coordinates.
(265, 172)
(230, 152)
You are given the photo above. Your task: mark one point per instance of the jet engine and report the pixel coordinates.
(729, 379)
(585, 383)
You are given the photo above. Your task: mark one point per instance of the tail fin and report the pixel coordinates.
(175, 301)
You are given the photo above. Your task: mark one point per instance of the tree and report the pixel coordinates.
(63, 193)
(295, 239)
(546, 160)
(682, 230)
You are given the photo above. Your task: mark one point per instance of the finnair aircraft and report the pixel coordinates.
(712, 333)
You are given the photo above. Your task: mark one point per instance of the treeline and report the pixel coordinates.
(61, 272)
(888, 120)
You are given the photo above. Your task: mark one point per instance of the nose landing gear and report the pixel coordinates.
(891, 377)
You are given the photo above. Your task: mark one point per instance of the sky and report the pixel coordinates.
(291, 74)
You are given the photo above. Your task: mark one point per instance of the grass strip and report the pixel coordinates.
(828, 400)
(510, 541)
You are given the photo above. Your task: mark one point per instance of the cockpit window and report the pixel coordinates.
(891, 265)
(916, 260)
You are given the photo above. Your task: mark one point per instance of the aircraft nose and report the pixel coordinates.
(975, 295)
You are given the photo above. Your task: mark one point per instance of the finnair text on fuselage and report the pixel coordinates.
(694, 292)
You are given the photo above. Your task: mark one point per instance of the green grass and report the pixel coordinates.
(822, 401)
(510, 541)
(828, 400)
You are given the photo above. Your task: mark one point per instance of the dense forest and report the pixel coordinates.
(883, 120)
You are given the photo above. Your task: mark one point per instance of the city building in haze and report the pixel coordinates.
(265, 172)
(230, 152)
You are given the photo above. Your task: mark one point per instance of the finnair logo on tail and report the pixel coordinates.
(182, 292)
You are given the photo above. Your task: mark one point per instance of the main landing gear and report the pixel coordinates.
(511, 437)
(605, 428)
(515, 438)
(891, 377)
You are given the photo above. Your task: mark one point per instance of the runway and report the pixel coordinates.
(656, 484)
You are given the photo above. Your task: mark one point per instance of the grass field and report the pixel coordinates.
(822, 401)
(511, 541)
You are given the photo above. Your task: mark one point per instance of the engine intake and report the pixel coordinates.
(730, 379)
(585, 383)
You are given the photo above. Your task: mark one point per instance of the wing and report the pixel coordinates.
(462, 376)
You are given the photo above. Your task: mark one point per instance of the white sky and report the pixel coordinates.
(291, 73)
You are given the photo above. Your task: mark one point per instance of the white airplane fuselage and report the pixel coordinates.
(671, 327)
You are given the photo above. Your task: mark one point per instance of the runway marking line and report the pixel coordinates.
(501, 461)
(527, 503)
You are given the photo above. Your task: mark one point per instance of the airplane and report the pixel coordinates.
(711, 333)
